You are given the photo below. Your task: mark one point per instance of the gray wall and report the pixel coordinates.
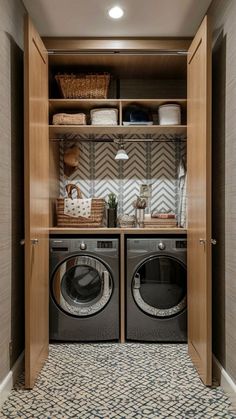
(223, 14)
(11, 183)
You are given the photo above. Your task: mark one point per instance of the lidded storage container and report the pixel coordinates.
(104, 116)
(169, 114)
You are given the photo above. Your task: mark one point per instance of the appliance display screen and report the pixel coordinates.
(181, 244)
(105, 244)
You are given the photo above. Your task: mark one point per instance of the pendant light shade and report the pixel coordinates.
(121, 154)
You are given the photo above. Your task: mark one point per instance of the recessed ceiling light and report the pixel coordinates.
(116, 12)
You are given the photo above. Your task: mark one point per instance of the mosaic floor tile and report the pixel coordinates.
(117, 381)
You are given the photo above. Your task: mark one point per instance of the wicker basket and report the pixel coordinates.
(84, 86)
(94, 221)
(127, 221)
(69, 119)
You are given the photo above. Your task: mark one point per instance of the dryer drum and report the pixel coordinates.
(82, 286)
(159, 286)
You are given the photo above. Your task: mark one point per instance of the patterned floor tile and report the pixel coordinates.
(117, 381)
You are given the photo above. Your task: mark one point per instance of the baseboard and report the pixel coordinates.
(9, 381)
(224, 380)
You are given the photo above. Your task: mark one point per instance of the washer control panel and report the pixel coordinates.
(88, 244)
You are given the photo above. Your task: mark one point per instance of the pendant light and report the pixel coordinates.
(121, 153)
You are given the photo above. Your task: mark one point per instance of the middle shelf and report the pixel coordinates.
(58, 132)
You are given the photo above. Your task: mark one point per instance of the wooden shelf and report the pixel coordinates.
(105, 230)
(57, 132)
(84, 105)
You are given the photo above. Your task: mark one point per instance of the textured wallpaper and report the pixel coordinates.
(149, 163)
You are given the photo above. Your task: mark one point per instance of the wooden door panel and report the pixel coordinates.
(199, 202)
(36, 204)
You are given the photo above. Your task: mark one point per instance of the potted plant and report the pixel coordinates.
(112, 210)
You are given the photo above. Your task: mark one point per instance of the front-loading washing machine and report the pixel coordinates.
(84, 289)
(156, 289)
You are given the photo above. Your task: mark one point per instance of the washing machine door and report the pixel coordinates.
(159, 286)
(82, 286)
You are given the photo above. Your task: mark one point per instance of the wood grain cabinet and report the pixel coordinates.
(176, 70)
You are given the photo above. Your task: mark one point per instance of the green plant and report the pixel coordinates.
(112, 200)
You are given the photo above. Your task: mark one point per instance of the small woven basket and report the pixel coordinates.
(94, 221)
(84, 86)
(127, 221)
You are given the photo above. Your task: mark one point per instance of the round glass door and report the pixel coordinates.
(82, 286)
(160, 286)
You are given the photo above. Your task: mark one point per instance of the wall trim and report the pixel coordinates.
(7, 383)
(224, 380)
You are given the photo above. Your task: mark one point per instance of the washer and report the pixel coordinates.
(84, 289)
(156, 289)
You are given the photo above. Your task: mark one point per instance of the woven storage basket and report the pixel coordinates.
(84, 86)
(69, 119)
(127, 221)
(97, 212)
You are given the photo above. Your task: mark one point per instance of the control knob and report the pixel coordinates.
(83, 246)
(161, 246)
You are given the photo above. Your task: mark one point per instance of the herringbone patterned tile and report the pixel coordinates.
(105, 165)
(134, 174)
(163, 175)
(151, 163)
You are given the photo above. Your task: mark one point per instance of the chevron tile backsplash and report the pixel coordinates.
(149, 163)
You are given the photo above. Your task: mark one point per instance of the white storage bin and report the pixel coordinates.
(169, 114)
(104, 116)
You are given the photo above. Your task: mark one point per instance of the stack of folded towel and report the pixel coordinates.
(160, 220)
(104, 116)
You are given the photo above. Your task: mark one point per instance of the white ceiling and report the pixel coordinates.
(142, 17)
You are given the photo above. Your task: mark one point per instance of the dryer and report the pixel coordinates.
(156, 289)
(84, 289)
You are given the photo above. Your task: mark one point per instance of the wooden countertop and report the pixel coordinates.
(105, 230)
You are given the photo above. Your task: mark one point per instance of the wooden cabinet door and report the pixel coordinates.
(36, 204)
(199, 202)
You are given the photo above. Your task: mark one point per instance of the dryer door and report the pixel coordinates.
(159, 286)
(82, 286)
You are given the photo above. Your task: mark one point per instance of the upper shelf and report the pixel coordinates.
(125, 65)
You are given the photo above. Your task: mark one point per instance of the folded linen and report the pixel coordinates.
(104, 116)
(78, 207)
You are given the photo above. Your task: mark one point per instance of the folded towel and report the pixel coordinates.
(77, 207)
(163, 215)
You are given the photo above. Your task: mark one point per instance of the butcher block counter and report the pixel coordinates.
(120, 231)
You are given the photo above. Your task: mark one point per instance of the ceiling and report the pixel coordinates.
(144, 18)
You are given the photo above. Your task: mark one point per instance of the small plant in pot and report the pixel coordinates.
(112, 210)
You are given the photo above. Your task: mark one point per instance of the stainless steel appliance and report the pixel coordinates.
(156, 289)
(84, 289)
